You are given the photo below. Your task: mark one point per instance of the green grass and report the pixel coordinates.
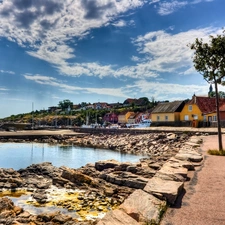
(216, 152)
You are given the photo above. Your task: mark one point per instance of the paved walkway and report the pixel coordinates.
(204, 200)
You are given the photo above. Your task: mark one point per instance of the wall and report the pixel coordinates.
(171, 117)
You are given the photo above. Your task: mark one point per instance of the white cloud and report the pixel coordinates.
(3, 89)
(169, 53)
(162, 91)
(123, 23)
(120, 23)
(46, 26)
(166, 8)
(50, 81)
(7, 71)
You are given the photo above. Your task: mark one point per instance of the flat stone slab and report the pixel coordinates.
(189, 155)
(143, 207)
(125, 179)
(117, 217)
(184, 163)
(171, 168)
(193, 144)
(167, 188)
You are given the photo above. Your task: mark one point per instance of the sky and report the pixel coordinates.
(101, 50)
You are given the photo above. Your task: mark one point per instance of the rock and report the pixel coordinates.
(126, 179)
(76, 177)
(184, 163)
(117, 217)
(189, 155)
(167, 188)
(173, 168)
(106, 164)
(154, 166)
(144, 207)
(41, 198)
(6, 204)
(132, 169)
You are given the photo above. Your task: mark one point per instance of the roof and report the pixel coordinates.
(206, 104)
(169, 107)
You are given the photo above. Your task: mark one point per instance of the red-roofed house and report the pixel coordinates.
(110, 118)
(202, 109)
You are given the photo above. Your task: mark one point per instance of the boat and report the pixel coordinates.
(143, 124)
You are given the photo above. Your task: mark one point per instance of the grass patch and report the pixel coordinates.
(216, 152)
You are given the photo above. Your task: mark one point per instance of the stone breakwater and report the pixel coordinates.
(125, 193)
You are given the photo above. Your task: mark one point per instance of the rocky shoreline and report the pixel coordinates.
(124, 193)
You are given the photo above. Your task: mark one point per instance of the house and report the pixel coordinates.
(167, 112)
(110, 118)
(115, 105)
(52, 109)
(141, 116)
(100, 105)
(202, 109)
(131, 118)
(123, 117)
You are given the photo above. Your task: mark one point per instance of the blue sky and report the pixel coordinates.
(101, 50)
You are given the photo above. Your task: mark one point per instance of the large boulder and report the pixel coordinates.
(144, 207)
(165, 188)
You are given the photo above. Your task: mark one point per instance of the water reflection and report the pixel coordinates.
(21, 155)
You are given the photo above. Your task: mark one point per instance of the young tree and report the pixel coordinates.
(209, 60)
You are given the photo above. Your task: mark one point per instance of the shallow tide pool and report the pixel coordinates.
(21, 155)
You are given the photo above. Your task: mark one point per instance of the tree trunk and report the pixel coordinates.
(218, 118)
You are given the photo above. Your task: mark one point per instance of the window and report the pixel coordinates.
(195, 117)
(204, 118)
(186, 117)
(214, 118)
(166, 118)
(190, 108)
(158, 118)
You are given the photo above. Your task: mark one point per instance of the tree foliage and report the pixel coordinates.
(221, 94)
(65, 104)
(209, 60)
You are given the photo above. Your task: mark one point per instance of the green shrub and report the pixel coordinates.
(216, 152)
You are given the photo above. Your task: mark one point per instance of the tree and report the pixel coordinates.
(65, 104)
(221, 94)
(209, 60)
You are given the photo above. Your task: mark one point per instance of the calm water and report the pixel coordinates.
(21, 155)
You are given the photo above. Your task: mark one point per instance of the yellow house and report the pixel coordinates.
(200, 109)
(123, 117)
(167, 112)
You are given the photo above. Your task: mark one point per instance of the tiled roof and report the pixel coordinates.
(169, 107)
(206, 104)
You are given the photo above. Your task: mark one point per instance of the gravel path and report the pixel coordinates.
(204, 200)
